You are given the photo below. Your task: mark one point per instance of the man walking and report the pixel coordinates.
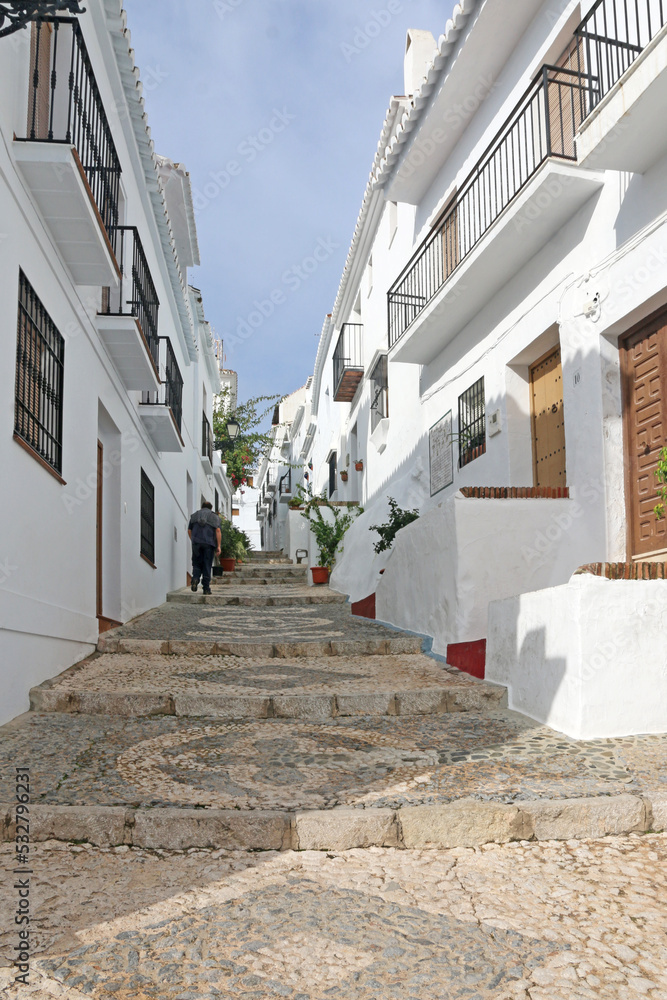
(206, 536)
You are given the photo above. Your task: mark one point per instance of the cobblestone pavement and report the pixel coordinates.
(281, 764)
(579, 920)
(259, 593)
(175, 621)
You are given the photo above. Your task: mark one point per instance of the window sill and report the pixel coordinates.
(380, 434)
(146, 559)
(38, 458)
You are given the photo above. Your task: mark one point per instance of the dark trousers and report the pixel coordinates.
(202, 560)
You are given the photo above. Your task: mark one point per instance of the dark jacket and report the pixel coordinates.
(203, 525)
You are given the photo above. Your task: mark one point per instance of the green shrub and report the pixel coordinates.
(398, 518)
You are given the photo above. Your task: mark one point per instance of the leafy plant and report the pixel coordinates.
(244, 454)
(329, 534)
(661, 476)
(398, 518)
(302, 495)
(234, 543)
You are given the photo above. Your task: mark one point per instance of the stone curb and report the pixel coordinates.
(185, 647)
(221, 600)
(318, 706)
(463, 823)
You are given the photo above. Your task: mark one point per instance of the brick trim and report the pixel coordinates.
(625, 570)
(516, 492)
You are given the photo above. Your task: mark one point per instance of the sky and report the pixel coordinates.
(275, 107)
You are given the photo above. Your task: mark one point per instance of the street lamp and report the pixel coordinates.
(233, 428)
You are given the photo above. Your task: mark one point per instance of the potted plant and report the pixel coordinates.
(359, 465)
(229, 545)
(329, 534)
(344, 475)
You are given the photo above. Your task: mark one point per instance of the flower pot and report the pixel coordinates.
(343, 476)
(359, 466)
(320, 574)
(228, 565)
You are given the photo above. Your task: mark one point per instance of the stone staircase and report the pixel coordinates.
(222, 722)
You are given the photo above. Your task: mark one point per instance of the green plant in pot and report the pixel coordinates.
(329, 534)
(229, 545)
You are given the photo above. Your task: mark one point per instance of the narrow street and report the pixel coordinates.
(257, 795)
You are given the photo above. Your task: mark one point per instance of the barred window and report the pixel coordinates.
(217, 502)
(333, 473)
(472, 423)
(147, 518)
(40, 357)
(379, 392)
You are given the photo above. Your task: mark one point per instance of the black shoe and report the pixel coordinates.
(207, 591)
(194, 585)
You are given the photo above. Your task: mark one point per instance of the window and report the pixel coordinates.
(147, 518)
(333, 477)
(379, 392)
(472, 423)
(217, 502)
(40, 356)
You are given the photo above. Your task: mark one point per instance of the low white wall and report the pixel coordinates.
(587, 658)
(445, 568)
(28, 660)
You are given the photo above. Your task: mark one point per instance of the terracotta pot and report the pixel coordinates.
(228, 565)
(343, 476)
(320, 574)
(359, 466)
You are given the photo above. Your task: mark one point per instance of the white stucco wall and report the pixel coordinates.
(588, 658)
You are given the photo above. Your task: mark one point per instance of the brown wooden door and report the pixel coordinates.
(548, 425)
(644, 371)
(99, 531)
(567, 107)
(39, 104)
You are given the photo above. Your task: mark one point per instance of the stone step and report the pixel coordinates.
(266, 570)
(246, 598)
(240, 688)
(408, 645)
(234, 579)
(452, 780)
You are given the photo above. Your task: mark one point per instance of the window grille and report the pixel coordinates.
(40, 357)
(379, 392)
(472, 423)
(217, 502)
(333, 478)
(147, 518)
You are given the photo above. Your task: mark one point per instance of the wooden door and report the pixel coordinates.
(548, 425)
(98, 528)
(644, 374)
(567, 99)
(39, 104)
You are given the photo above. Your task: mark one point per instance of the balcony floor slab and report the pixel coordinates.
(624, 131)
(123, 339)
(161, 426)
(58, 184)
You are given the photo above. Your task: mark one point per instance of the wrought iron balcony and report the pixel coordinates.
(128, 320)
(162, 410)
(285, 487)
(613, 35)
(270, 480)
(348, 362)
(65, 108)
(542, 126)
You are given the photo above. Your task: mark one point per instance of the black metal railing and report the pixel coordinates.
(136, 295)
(65, 106)
(270, 480)
(613, 34)
(543, 125)
(170, 392)
(348, 354)
(206, 439)
(285, 485)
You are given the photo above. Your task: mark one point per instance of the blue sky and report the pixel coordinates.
(275, 107)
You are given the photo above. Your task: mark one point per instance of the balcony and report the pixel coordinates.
(348, 362)
(624, 44)
(270, 481)
(285, 487)
(68, 157)
(525, 187)
(206, 445)
(161, 411)
(128, 322)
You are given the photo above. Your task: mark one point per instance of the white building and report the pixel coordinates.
(108, 366)
(497, 357)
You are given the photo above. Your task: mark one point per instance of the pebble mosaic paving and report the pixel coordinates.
(225, 624)
(550, 921)
(280, 764)
(236, 675)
